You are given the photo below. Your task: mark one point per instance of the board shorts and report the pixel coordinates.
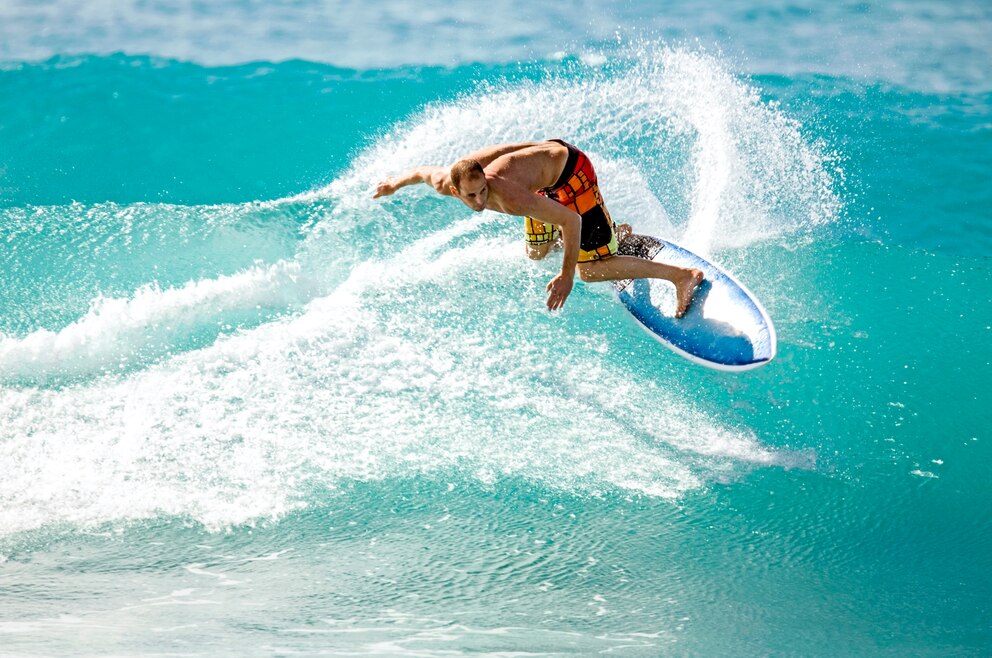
(578, 189)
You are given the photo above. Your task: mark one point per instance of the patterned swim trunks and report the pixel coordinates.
(577, 188)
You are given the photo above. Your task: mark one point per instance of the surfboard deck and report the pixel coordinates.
(725, 328)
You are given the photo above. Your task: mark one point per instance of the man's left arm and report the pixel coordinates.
(523, 202)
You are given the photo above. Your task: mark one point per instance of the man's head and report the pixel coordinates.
(468, 183)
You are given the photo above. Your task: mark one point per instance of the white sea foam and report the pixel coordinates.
(367, 383)
(435, 357)
(116, 332)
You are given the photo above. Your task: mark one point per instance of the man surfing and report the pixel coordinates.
(553, 186)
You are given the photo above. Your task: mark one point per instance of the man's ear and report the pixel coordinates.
(454, 191)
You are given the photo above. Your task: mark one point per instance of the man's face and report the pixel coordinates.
(474, 192)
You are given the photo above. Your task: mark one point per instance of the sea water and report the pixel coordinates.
(245, 409)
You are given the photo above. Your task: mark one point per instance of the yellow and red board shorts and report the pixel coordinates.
(577, 188)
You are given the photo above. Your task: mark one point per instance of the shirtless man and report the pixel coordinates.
(553, 186)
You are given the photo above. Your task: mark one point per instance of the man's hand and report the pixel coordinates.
(385, 187)
(558, 290)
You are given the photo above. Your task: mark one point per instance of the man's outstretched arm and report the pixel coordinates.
(436, 177)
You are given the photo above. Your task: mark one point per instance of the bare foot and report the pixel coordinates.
(623, 231)
(685, 289)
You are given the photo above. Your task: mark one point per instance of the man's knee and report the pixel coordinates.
(586, 272)
(538, 251)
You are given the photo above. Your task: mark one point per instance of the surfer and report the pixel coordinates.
(553, 186)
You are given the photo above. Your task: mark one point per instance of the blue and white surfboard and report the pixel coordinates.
(725, 328)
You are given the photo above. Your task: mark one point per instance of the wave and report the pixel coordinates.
(404, 338)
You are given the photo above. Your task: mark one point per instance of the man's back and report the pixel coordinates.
(533, 165)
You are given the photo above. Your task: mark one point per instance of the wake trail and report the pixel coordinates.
(403, 339)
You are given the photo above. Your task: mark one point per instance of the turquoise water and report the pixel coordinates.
(247, 410)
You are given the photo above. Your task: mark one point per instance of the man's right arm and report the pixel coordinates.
(436, 177)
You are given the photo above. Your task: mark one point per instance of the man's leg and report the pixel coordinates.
(538, 251)
(617, 268)
(540, 237)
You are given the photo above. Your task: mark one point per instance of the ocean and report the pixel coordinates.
(246, 409)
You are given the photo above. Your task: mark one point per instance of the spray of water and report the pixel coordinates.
(423, 349)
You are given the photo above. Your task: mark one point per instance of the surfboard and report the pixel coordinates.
(725, 328)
